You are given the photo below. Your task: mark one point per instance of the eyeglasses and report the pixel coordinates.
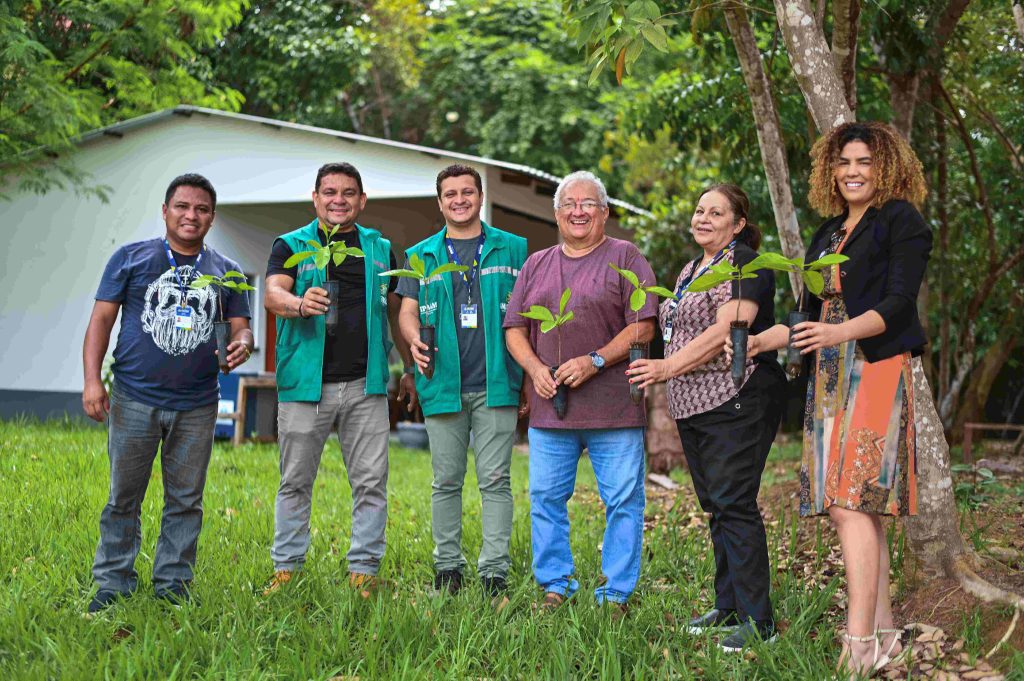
(587, 205)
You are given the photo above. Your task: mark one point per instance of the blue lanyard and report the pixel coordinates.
(468, 276)
(684, 285)
(174, 267)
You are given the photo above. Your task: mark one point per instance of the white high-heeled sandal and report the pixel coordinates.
(876, 662)
(887, 657)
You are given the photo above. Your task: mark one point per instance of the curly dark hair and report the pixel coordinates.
(897, 170)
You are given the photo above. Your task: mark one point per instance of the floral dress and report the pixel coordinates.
(859, 440)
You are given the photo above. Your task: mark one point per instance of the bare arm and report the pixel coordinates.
(95, 400)
(696, 353)
(280, 300)
(517, 340)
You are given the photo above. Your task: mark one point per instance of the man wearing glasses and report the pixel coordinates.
(588, 355)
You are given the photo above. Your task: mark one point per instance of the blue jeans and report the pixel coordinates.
(136, 430)
(617, 455)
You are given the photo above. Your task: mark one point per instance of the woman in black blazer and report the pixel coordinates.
(859, 440)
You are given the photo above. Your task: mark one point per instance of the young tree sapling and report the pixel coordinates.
(637, 300)
(233, 281)
(322, 255)
(548, 320)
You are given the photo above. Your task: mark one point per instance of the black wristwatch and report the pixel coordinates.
(598, 361)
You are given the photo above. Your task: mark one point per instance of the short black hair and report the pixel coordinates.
(191, 180)
(457, 170)
(339, 169)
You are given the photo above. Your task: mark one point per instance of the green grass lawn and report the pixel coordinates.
(54, 483)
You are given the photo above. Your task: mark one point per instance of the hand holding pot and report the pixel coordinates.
(419, 349)
(753, 347)
(576, 371)
(238, 353)
(810, 336)
(648, 372)
(314, 302)
(407, 388)
(95, 401)
(543, 384)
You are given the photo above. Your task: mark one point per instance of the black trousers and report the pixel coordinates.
(726, 448)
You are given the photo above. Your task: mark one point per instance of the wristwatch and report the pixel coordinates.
(411, 370)
(598, 361)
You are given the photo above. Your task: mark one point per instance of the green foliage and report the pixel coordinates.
(638, 298)
(75, 65)
(419, 269)
(548, 319)
(228, 281)
(810, 272)
(323, 254)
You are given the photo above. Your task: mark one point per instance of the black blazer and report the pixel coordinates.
(888, 251)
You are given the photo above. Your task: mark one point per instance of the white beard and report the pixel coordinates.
(162, 297)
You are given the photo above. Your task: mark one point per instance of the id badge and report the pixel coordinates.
(469, 316)
(183, 318)
(666, 334)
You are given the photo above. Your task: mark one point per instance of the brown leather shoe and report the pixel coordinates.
(365, 584)
(281, 577)
(552, 601)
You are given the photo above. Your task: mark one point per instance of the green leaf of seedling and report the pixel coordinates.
(814, 281)
(771, 261)
(627, 275)
(246, 287)
(299, 257)
(315, 245)
(233, 274)
(660, 291)
(540, 313)
(827, 261)
(417, 265)
(707, 281)
(547, 326)
(322, 257)
(637, 299)
(448, 267)
(339, 257)
(230, 284)
(566, 318)
(201, 281)
(401, 273)
(351, 251)
(746, 275)
(566, 294)
(723, 268)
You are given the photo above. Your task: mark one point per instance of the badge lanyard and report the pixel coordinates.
(684, 285)
(468, 314)
(182, 312)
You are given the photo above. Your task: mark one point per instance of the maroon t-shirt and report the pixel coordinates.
(600, 301)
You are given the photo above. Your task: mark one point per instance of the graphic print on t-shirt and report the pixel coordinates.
(163, 296)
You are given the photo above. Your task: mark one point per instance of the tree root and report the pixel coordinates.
(1006, 636)
(980, 587)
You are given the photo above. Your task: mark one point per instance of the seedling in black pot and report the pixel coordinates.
(233, 281)
(815, 283)
(322, 255)
(549, 320)
(637, 300)
(428, 334)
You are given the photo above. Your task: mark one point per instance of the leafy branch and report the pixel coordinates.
(322, 255)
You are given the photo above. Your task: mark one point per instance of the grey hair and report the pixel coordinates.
(582, 176)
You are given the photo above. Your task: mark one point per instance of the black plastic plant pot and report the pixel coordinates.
(331, 318)
(637, 351)
(223, 333)
(561, 399)
(738, 333)
(428, 336)
(793, 358)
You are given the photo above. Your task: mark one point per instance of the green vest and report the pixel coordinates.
(300, 342)
(503, 257)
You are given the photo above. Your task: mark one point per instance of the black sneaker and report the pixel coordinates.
(177, 595)
(726, 620)
(748, 634)
(448, 580)
(105, 598)
(494, 586)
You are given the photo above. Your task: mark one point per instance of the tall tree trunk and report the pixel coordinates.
(1018, 17)
(769, 134)
(903, 90)
(813, 64)
(845, 25)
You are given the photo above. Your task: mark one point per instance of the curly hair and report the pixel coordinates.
(897, 170)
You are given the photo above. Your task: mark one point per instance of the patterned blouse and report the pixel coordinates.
(710, 385)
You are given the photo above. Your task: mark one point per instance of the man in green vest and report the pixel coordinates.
(333, 380)
(475, 387)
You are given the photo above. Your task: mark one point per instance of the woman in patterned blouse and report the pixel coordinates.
(863, 348)
(726, 432)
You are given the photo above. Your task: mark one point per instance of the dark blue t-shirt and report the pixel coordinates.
(154, 362)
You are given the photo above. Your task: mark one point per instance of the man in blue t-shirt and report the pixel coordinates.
(165, 388)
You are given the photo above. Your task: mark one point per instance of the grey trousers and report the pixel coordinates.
(493, 435)
(361, 422)
(185, 439)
